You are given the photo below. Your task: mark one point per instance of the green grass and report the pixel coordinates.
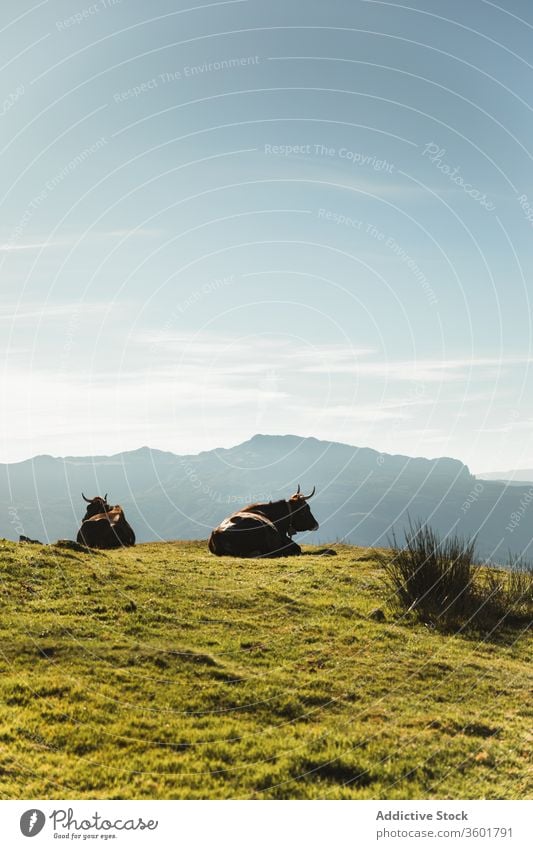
(164, 672)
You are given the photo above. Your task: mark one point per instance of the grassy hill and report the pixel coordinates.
(164, 672)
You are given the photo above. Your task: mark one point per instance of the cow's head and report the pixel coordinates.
(95, 506)
(301, 517)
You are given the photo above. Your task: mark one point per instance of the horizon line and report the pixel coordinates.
(68, 457)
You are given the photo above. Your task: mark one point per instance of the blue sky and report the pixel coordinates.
(286, 217)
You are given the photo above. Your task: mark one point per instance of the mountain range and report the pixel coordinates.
(361, 494)
(512, 476)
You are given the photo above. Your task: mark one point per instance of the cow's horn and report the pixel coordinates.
(88, 500)
(105, 497)
(305, 497)
(298, 490)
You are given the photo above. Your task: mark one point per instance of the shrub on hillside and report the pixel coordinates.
(439, 580)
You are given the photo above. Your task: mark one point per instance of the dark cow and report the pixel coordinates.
(104, 526)
(264, 530)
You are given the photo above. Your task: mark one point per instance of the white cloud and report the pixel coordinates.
(509, 427)
(31, 310)
(81, 238)
(380, 411)
(7, 248)
(418, 371)
(226, 355)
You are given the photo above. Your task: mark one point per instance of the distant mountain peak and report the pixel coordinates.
(259, 439)
(258, 442)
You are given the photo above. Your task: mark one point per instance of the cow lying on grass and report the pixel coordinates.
(104, 526)
(264, 530)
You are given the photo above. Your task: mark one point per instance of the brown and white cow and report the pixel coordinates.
(104, 526)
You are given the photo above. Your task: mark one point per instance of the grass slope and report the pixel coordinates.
(164, 672)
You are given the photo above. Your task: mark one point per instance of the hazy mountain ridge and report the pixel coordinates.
(361, 493)
(513, 476)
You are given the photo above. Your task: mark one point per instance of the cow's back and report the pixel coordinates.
(106, 530)
(244, 535)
